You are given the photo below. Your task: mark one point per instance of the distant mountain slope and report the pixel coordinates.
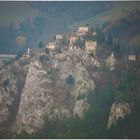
(119, 10)
(136, 40)
(79, 10)
(122, 22)
(40, 21)
(15, 11)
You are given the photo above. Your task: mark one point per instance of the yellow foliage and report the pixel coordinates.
(21, 40)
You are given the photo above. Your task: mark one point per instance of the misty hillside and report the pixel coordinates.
(40, 21)
(78, 10)
(115, 13)
(122, 21)
(33, 22)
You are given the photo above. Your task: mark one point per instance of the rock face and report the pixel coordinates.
(118, 111)
(80, 108)
(47, 92)
(111, 62)
(55, 85)
(12, 79)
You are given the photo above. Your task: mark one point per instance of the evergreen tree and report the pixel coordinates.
(41, 45)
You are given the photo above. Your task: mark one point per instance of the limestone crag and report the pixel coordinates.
(118, 111)
(111, 62)
(46, 91)
(12, 79)
(80, 108)
(33, 103)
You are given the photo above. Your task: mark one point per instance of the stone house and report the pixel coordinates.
(52, 46)
(132, 57)
(91, 47)
(59, 37)
(83, 30)
(72, 39)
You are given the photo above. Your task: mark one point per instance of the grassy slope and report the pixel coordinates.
(21, 9)
(136, 40)
(120, 9)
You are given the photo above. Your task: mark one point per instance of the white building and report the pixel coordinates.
(132, 57)
(51, 46)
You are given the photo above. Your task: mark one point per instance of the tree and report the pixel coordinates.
(65, 41)
(110, 40)
(19, 54)
(80, 43)
(70, 80)
(137, 12)
(117, 50)
(46, 50)
(21, 41)
(100, 36)
(41, 45)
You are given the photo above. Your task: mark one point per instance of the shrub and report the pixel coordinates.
(70, 80)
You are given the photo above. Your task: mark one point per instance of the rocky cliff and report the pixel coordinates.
(118, 111)
(12, 79)
(56, 85)
(49, 91)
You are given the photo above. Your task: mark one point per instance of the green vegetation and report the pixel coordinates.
(70, 80)
(20, 54)
(8, 9)
(119, 10)
(80, 97)
(80, 43)
(100, 37)
(135, 41)
(41, 45)
(128, 91)
(65, 41)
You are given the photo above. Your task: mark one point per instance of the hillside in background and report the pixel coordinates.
(122, 22)
(40, 21)
(118, 11)
(33, 22)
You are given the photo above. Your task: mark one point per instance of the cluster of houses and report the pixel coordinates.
(89, 45)
(80, 34)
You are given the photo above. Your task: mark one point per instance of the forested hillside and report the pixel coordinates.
(40, 21)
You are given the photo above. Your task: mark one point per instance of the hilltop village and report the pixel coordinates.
(58, 79)
(83, 41)
(84, 37)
